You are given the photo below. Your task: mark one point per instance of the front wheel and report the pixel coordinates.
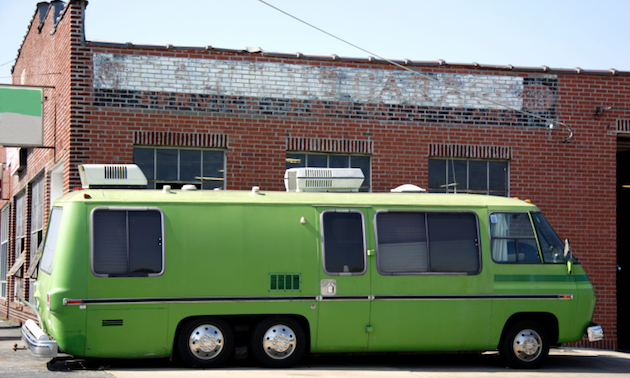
(278, 342)
(526, 345)
(205, 342)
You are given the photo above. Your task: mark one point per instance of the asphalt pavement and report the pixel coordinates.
(562, 363)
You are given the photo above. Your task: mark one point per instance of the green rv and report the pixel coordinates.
(192, 275)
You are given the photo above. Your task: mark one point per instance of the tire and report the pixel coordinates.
(205, 342)
(526, 345)
(278, 342)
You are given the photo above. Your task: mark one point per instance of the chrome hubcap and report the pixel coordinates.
(279, 342)
(206, 342)
(527, 345)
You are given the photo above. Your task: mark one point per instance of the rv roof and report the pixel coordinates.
(115, 197)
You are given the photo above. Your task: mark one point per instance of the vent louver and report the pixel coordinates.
(114, 322)
(111, 176)
(285, 282)
(115, 172)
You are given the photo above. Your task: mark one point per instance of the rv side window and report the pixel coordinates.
(48, 253)
(402, 243)
(343, 242)
(551, 245)
(512, 239)
(414, 242)
(453, 242)
(127, 242)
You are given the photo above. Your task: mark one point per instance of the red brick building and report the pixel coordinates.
(233, 119)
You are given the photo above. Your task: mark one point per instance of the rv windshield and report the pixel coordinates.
(51, 240)
(551, 245)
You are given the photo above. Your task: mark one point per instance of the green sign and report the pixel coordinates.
(21, 116)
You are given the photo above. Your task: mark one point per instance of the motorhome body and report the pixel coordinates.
(189, 273)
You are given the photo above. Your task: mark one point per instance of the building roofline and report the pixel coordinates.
(371, 59)
(47, 7)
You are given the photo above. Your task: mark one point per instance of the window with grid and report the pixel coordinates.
(20, 225)
(315, 160)
(178, 167)
(488, 177)
(20, 240)
(37, 225)
(4, 248)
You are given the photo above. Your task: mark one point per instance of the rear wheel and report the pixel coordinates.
(526, 345)
(205, 342)
(278, 342)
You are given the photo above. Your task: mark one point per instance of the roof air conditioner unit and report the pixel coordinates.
(112, 176)
(323, 179)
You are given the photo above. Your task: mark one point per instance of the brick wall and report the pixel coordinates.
(43, 60)
(108, 98)
(260, 104)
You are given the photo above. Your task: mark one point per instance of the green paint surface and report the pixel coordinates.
(230, 244)
(25, 101)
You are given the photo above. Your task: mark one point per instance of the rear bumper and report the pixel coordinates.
(595, 332)
(37, 342)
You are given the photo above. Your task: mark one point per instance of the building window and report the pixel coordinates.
(343, 240)
(20, 225)
(4, 249)
(178, 167)
(415, 243)
(20, 241)
(312, 160)
(488, 177)
(127, 242)
(37, 225)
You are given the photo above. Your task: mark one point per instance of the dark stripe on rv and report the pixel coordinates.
(189, 300)
(345, 298)
(105, 301)
(469, 297)
(539, 278)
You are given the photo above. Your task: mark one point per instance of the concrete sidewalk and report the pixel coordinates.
(562, 363)
(21, 364)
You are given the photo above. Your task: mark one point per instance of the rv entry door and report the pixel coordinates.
(344, 306)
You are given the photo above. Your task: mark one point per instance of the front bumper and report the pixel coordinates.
(595, 332)
(37, 342)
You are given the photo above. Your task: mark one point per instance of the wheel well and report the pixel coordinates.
(243, 325)
(548, 321)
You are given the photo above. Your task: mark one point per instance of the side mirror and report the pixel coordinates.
(568, 257)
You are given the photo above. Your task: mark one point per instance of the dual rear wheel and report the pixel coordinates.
(277, 341)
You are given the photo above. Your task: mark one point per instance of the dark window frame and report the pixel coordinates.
(4, 250)
(516, 239)
(363, 241)
(52, 236)
(450, 164)
(366, 186)
(127, 210)
(428, 244)
(201, 182)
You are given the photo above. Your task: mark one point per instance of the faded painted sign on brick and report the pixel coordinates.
(315, 82)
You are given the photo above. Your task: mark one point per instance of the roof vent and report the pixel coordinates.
(408, 188)
(323, 179)
(112, 176)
